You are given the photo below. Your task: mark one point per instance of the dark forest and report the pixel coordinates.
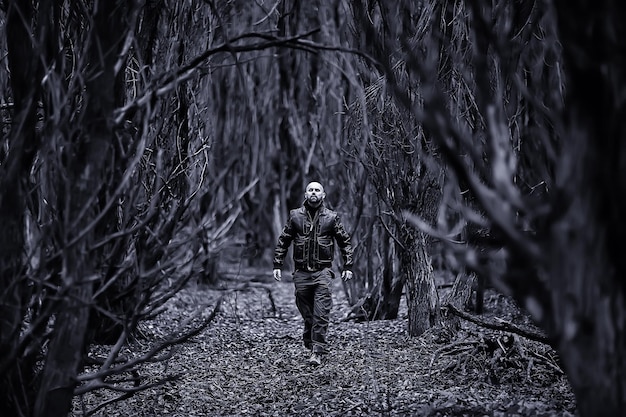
(151, 151)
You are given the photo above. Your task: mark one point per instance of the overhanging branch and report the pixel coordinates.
(170, 81)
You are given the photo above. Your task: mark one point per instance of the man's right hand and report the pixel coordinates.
(277, 274)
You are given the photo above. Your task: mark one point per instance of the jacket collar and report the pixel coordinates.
(321, 210)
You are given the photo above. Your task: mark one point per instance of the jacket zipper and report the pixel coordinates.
(312, 241)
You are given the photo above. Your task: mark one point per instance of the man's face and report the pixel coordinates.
(314, 193)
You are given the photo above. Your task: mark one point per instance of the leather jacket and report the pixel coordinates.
(313, 235)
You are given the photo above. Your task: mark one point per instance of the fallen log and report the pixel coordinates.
(502, 325)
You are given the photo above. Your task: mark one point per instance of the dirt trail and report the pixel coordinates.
(250, 362)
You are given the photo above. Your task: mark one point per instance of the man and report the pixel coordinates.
(313, 229)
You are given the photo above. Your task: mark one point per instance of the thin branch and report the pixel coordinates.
(151, 354)
(128, 392)
(171, 81)
(391, 234)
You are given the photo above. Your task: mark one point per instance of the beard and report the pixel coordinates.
(314, 201)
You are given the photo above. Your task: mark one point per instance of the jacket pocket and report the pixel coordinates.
(326, 247)
(299, 250)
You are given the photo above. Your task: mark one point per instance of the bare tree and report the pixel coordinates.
(82, 232)
(119, 177)
(584, 265)
(552, 241)
(402, 168)
(20, 144)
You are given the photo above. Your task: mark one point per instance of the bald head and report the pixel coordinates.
(315, 185)
(314, 194)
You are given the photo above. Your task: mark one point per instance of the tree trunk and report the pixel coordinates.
(106, 323)
(588, 265)
(589, 308)
(460, 296)
(16, 374)
(422, 297)
(383, 301)
(88, 155)
(65, 351)
(288, 171)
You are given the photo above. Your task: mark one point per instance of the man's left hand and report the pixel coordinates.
(346, 275)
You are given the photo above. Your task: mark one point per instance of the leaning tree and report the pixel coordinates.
(392, 148)
(541, 151)
(100, 188)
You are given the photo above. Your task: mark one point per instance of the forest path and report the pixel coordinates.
(250, 362)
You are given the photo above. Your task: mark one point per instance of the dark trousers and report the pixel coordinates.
(314, 301)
